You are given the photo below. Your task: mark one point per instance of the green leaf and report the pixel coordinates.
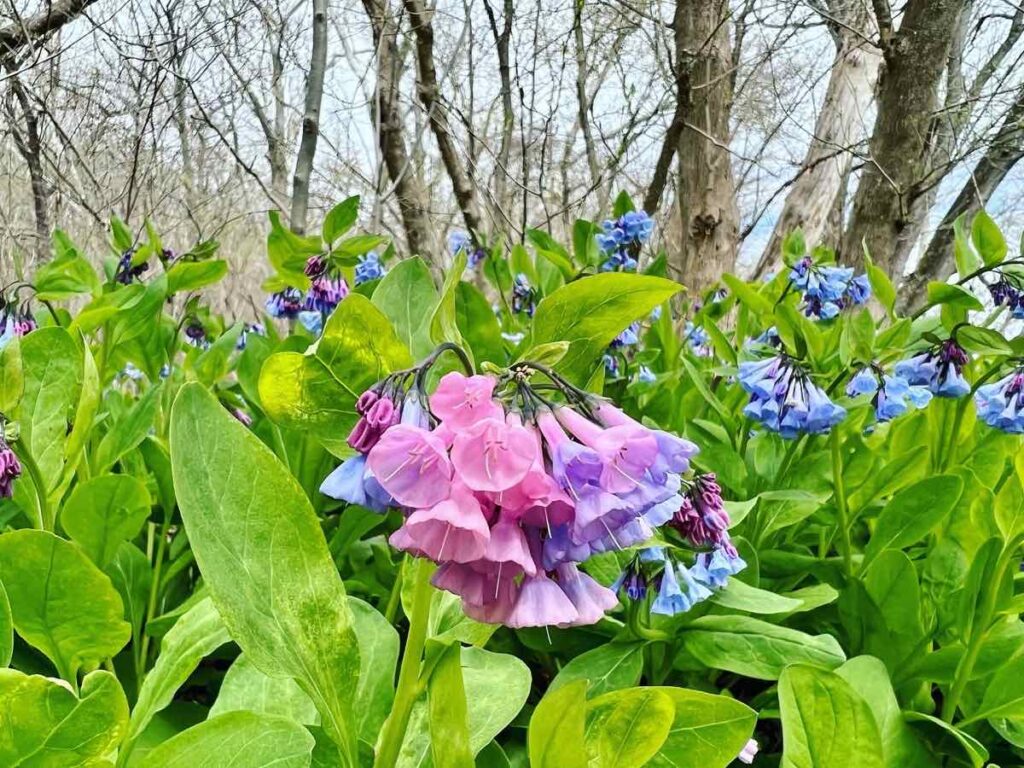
(444, 324)
(246, 689)
(12, 376)
(130, 430)
(983, 341)
(347, 252)
(967, 261)
(197, 634)
(1004, 695)
(742, 597)
(446, 698)
(708, 731)
(406, 295)
(68, 275)
(6, 628)
(987, 239)
(825, 722)
(263, 556)
(478, 325)
(941, 735)
(122, 236)
(45, 724)
(608, 668)
(53, 379)
(103, 512)
(61, 603)
(317, 392)
(132, 576)
(625, 729)
(378, 658)
(912, 512)
(748, 297)
(555, 736)
(553, 251)
(589, 313)
(191, 275)
(952, 295)
(623, 204)
(251, 740)
(340, 219)
(288, 252)
(756, 648)
(584, 242)
(882, 287)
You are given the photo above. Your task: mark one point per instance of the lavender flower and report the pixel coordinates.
(524, 297)
(785, 400)
(369, 268)
(1001, 405)
(285, 304)
(940, 369)
(891, 396)
(10, 468)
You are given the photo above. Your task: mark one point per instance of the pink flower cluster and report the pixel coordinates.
(10, 467)
(508, 501)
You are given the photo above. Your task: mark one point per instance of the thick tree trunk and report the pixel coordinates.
(915, 58)
(29, 145)
(706, 189)
(53, 17)
(937, 262)
(430, 95)
(502, 40)
(412, 197)
(815, 201)
(310, 118)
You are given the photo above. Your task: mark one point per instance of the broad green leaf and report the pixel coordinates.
(191, 275)
(85, 413)
(825, 722)
(70, 274)
(900, 746)
(132, 576)
(953, 295)
(61, 603)
(444, 320)
(756, 648)
(748, 296)
(246, 689)
(589, 313)
(967, 261)
(288, 251)
(553, 251)
(378, 658)
(946, 738)
(6, 628)
(478, 325)
(608, 667)
(193, 637)
(347, 252)
(42, 723)
(555, 735)
(251, 741)
(52, 365)
(12, 376)
(263, 556)
(892, 584)
(340, 219)
(742, 597)
(130, 430)
(625, 729)
(983, 341)
(103, 512)
(708, 730)
(317, 392)
(912, 512)
(987, 239)
(1004, 695)
(407, 296)
(446, 701)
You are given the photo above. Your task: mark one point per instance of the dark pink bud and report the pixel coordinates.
(363, 436)
(381, 413)
(367, 399)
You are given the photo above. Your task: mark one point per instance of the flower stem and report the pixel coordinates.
(839, 489)
(408, 677)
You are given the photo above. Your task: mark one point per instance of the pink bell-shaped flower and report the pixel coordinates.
(493, 455)
(461, 401)
(412, 465)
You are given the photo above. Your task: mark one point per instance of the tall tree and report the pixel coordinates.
(310, 118)
(915, 57)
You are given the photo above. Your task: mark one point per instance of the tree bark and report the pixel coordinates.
(502, 39)
(29, 146)
(412, 197)
(310, 119)
(914, 59)
(706, 190)
(430, 95)
(820, 187)
(937, 262)
(22, 32)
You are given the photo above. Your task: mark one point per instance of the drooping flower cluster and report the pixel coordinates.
(524, 296)
(784, 399)
(461, 241)
(507, 491)
(285, 304)
(326, 288)
(255, 329)
(1001, 405)
(127, 272)
(827, 289)
(891, 395)
(940, 369)
(620, 240)
(195, 335)
(369, 268)
(629, 337)
(10, 467)
(1007, 292)
(698, 339)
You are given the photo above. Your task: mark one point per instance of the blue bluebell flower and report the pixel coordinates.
(940, 369)
(892, 395)
(369, 268)
(632, 579)
(195, 335)
(461, 241)
(312, 320)
(858, 290)
(620, 240)
(165, 370)
(698, 339)
(127, 272)
(785, 400)
(714, 568)
(828, 289)
(611, 364)
(524, 297)
(629, 337)
(255, 329)
(678, 590)
(327, 288)
(645, 375)
(1007, 292)
(1001, 405)
(286, 304)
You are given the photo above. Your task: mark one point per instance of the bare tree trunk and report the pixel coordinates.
(430, 95)
(24, 31)
(412, 197)
(311, 118)
(502, 40)
(275, 132)
(706, 189)
(820, 187)
(30, 148)
(915, 58)
(937, 262)
(582, 101)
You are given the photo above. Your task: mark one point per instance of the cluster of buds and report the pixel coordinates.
(508, 485)
(15, 315)
(10, 467)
